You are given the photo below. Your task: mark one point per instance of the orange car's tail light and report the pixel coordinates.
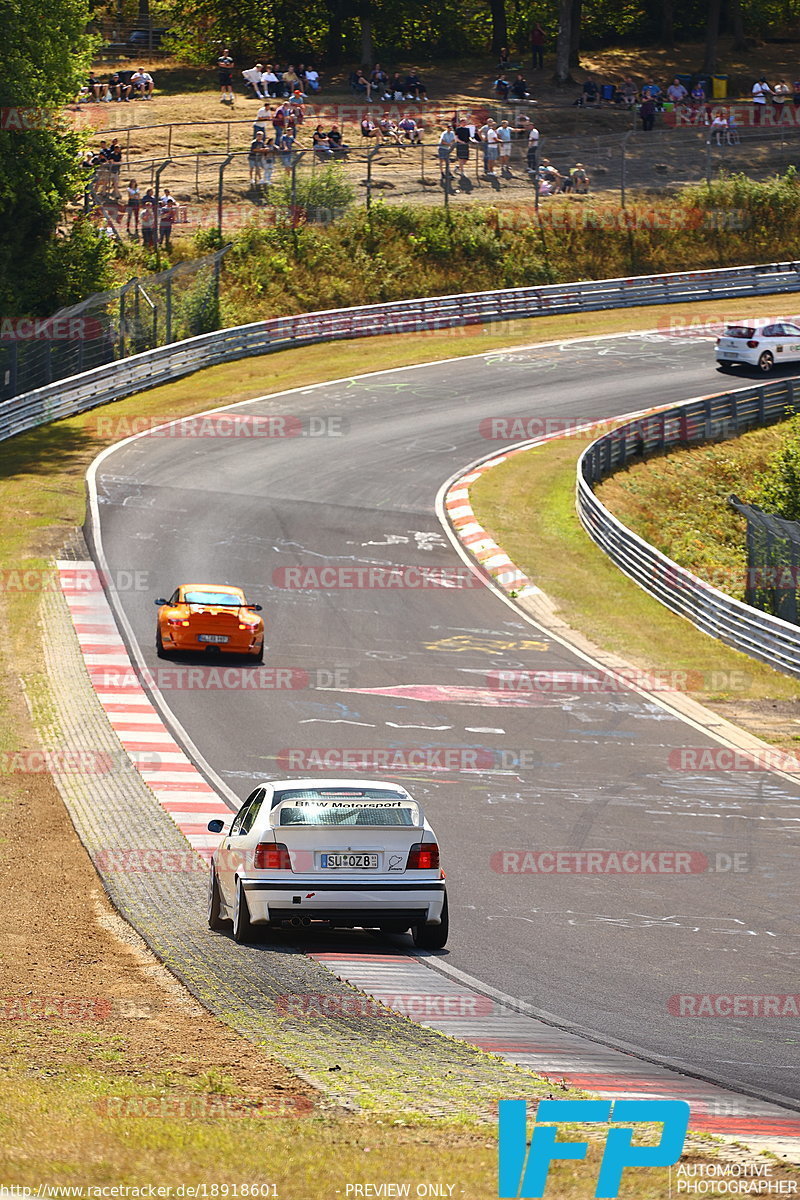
(272, 856)
(176, 621)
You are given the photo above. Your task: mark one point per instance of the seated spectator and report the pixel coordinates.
(579, 179)
(551, 176)
(519, 88)
(397, 87)
(300, 72)
(270, 84)
(361, 85)
(676, 92)
(290, 81)
(719, 128)
(389, 131)
(119, 88)
(409, 129)
(590, 92)
(697, 96)
(415, 88)
(380, 81)
(312, 79)
(651, 91)
(321, 144)
(370, 130)
(501, 88)
(92, 90)
(297, 102)
(628, 92)
(337, 145)
(252, 81)
(503, 60)
(142, 83)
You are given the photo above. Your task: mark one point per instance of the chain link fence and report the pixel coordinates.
(142, 314)
(773, 561)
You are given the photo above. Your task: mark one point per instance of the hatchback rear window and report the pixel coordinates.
(214, 599)
(739, 331)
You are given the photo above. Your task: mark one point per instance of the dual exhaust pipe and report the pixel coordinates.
(297, 921)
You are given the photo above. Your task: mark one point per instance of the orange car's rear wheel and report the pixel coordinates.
(160, 651)
(259, 658)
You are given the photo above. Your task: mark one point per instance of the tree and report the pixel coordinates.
(499, 25)
(575, 34)
(44, 61)
(736, 26)
(564, 42)
(712, 35)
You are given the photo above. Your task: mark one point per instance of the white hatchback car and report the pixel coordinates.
(761, 344)
(334, 853)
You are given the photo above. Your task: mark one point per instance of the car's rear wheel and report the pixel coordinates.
(215, 919)
(765, 362)
(432, 937)
(259, 658)
(242, 928)
(160, 651)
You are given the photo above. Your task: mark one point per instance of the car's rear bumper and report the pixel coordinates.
(353, 902)
(190, 645)
(747, 358)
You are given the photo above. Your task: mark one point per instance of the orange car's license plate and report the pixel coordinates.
(212, 637)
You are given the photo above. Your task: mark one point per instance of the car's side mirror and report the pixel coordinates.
(160, 601)
(255, 607)
(216, 826)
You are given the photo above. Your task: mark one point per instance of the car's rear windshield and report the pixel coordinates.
(223, 599)
(739, 331)
(340, 812)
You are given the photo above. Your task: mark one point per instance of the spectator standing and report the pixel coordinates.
(148, 218)
(114, 157)
(260, 120)
(676, 92)
(284, 145)
(533, 148)
(538, 38)
(761, 93)
(447, 140)
(225, 68)
(579, 179)
(168, 217)
(647, 112)
(134, 201)
(780, 93)
(255, 158)
(463, 134)
(504, 147)
(490, 146)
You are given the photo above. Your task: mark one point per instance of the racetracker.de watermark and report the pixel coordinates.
(415, 1005)
(413, 577)
(50, 329)
(420, 758)
(220, 679)
(765, 1004)
(726, 758)
(72, 580)
(22, 119)
(56, 762)
(204, 1107)
(619, 862)
(227, 425)
(598, 682)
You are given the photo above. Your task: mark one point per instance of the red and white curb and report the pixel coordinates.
(172, 777)
(439, 1001)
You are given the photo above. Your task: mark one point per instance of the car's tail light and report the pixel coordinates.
(752, 345)
(176, 621)
(423, 856)
(272, 856)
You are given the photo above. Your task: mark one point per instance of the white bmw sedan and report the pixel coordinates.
(333, 853)
(761, 344)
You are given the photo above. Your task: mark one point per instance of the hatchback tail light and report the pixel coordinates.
(752, 345)
(272, 856)
(423, 856)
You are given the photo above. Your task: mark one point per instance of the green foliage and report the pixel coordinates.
(44, 59)
(777, 488)
(321, 197)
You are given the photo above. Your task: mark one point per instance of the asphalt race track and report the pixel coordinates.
(605, 953)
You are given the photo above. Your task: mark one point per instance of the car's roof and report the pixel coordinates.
(759, 322)
(211, 587)
(324, 784)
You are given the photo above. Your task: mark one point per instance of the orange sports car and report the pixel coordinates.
(209, 616)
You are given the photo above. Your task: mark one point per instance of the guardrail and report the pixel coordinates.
(79, 393)
(750, 630)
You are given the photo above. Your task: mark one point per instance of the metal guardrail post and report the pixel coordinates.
(157, 211)
(222, 167)
(370, 155)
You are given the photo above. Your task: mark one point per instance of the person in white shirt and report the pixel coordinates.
(490, 146)
(270, 84)
(504, 140)
(142, 82)
(312, 79)
(261, 118)
(719, 128)
(252, 79)
(533, 148)
(761, 93)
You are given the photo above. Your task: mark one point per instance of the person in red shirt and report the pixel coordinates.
(538, 39)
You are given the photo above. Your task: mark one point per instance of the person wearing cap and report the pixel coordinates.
(580, 179)
(491, 151)
(252, 80)
(504, 146)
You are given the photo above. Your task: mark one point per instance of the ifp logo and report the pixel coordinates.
(522, 1170)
